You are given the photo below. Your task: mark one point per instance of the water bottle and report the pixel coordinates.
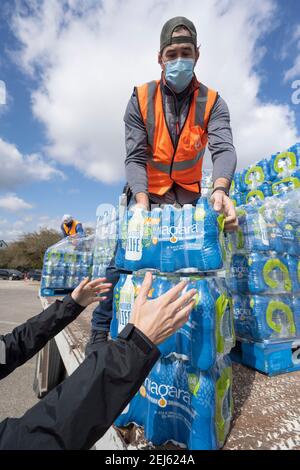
(169, 413)
(46, 281)
(211, 399)
(255, 234)
(197, 338)
(116, 305)
(239, 274)
(225, 335)
(134, 245)
(160, 285)
(209, 231)
(294, 271)
(126, 302)
(171, 240)
(289, 238)
(152, 240)
(274, 230)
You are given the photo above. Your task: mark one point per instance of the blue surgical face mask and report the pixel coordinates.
(179, 73)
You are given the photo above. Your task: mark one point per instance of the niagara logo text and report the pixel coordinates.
(179, 232)
(167, 391)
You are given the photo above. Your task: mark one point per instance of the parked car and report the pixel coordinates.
(11, 274)
(34, 275)
(4, 274)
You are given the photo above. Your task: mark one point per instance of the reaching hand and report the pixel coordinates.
(86, 293)
(160, 318)
(224, 204)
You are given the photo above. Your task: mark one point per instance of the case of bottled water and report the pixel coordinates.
(266, 318)
(66, 264)
(170, 239)
(184, 405)
(283, 164)
(207, 335)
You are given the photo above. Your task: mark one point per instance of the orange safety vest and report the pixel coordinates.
(72, 230)
(183, 164)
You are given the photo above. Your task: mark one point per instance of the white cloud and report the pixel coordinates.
(89, 55)
(17, 168)
(294, 71)
(12, 203)
(2, 92)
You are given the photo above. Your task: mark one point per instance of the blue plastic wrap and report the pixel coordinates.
(258, 273)
(208, 334)
(171, 239)
(184, 405)
(262, 317)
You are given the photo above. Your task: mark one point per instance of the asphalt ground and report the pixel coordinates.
(18, 302)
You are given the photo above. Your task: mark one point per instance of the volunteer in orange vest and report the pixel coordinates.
(168, 124)
(70, 226)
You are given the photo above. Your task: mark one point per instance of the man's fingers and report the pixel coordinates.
(146, 286)
(172, 294)
(183, 299)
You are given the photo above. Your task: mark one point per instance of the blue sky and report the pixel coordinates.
(38, 75)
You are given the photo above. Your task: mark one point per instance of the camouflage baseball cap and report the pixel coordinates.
(168, 29)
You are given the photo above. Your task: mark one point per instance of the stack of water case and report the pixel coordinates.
(187, 397)
(66, 264)
(264, 277)
(268, 177)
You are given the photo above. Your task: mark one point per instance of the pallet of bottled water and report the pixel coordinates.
(187, 397)
(264, 278)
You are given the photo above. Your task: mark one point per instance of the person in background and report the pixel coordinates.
(78, 412)
(168, 124)
(70, 226)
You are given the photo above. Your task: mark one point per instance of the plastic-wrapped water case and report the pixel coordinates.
(106, 236)
(284, 185)
(266, 318)
(208, 334)
(66, 264)
(273, 225)
(269, 358)
(255, 176)
(184, 405)
(259, 273)
(283, 164)
(169, 239)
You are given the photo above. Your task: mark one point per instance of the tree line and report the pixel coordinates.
(28, 251)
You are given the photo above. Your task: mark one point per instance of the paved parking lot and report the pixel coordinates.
(18, 302)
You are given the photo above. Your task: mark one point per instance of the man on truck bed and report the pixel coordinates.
(80, 410)
(168, 123)
(70, 226)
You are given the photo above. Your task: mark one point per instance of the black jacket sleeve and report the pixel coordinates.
(27, 339)
(79, 411)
